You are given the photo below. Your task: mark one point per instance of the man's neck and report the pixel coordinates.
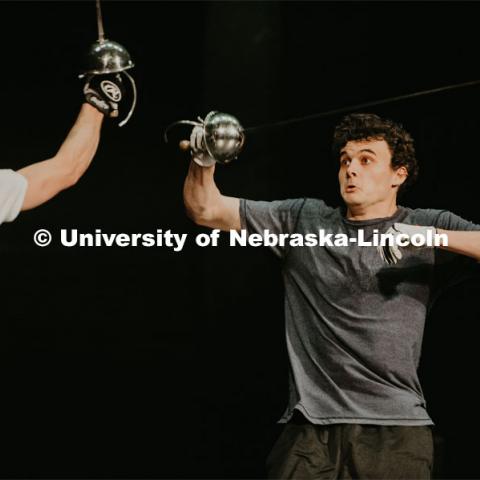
(361, 212)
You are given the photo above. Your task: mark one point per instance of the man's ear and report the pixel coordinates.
(401, 174)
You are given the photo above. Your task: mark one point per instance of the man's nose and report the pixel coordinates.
(351, 170)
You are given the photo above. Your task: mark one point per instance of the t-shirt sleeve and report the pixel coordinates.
(443, 219)
(450, 268)
(279, 216)
(449, 221)
(13, 187)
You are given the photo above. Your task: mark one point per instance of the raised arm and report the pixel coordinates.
(49, 177)
(205, 204)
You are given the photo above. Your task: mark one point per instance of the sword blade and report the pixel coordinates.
(101, 34)
(360, 106)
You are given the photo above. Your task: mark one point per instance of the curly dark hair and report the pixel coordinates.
(368, 126)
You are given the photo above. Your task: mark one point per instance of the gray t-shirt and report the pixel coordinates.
(13, 187)
(354, 325)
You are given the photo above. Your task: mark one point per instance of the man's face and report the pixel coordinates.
(366, 175)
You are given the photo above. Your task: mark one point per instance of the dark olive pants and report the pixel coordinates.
(350, 451)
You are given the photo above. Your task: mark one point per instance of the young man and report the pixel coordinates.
(35, 184)
(354, 324)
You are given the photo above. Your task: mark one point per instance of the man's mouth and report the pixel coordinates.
(350, 188)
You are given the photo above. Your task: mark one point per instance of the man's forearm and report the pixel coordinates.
(464, 243)
(200, 192)
(205, 204)
(49, 177)
(78, 149)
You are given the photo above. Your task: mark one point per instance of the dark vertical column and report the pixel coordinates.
(242, 56)
(241, 75)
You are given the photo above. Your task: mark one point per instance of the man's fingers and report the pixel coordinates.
(389, 255)
(397, 253)
(380, 252)
(184, 145)
(386, 254)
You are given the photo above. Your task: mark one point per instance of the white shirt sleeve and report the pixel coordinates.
(13, 187)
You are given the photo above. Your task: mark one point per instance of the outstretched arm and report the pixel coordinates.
(49, 177)
(205, 204)
(464, 243)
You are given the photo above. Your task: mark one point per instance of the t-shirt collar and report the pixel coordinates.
(372, 221)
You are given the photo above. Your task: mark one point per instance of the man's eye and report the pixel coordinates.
(345, 161)
(366, 160)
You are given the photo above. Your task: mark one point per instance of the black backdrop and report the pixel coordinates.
(143, 362)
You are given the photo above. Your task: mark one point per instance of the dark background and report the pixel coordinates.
(143, 362)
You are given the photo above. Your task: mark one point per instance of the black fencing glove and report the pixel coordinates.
(104, 92)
